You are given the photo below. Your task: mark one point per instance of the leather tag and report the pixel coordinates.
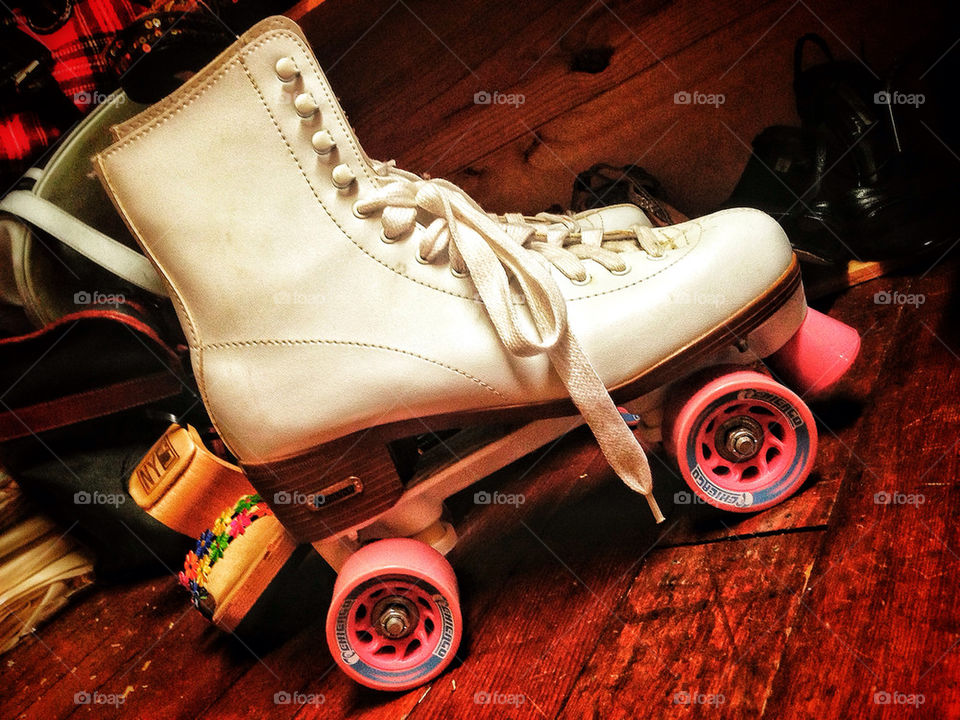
(162, 466)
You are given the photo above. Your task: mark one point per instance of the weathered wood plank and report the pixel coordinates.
(697, 151)
(881, 601)
(550, 56)
(147, 658)
(700, 633)
(74, 650)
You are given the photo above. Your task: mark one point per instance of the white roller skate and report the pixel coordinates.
(334, 304)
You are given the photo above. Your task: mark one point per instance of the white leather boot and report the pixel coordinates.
(333, 303)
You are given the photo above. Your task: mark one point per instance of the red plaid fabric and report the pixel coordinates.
(80, 70)
(22, 135)
(77, 48)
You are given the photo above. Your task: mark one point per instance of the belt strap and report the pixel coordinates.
(86, 405)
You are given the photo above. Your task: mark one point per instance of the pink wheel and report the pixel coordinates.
(818, 354)
(743, 441)
(394, 621)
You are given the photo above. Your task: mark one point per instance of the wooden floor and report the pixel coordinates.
(576, 605)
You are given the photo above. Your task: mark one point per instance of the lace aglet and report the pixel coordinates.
(654, 508)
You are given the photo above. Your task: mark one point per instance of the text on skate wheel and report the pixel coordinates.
(744, 442)
(394, 621)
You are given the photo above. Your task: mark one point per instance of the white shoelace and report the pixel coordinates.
(492, 252)
(565, 242)
(566, 230)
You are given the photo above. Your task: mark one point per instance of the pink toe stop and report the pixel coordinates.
(818, 354)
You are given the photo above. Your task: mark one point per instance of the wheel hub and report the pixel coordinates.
(396, 617)
(739, 438)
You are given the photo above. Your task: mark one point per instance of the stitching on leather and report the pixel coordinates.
(344, 128)
(665, 267)
(239, 58)
(356, 150)
(138, 134)
(284, 33)
(162, 118)
(200, 91)
(349, 134)
(191, 332)
(369, 346)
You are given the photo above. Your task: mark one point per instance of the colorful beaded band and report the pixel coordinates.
(213, 543)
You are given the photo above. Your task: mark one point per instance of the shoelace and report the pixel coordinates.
(565, 242)
(492, 252)
(562, 230)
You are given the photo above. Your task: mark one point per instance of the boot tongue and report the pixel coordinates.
(616, 216)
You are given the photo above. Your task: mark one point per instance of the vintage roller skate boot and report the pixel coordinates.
(334, 304)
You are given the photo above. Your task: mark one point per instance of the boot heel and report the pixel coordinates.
(331, 488)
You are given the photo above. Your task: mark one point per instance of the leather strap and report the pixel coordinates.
(93, 244)
(87, 405)
(183, 485)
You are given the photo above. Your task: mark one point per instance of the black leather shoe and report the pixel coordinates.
(842, 185)
(783, 178)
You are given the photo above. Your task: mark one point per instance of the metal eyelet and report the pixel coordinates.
(458, 274)
(384, 239)
(420, 258)
(626, 270)
(588, 278)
